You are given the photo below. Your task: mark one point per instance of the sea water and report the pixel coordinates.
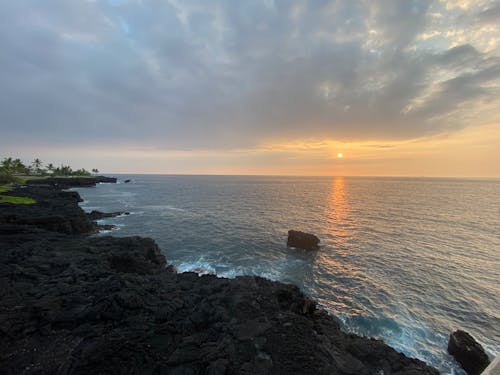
(406, 260)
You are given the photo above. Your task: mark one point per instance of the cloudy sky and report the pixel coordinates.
(253, 87)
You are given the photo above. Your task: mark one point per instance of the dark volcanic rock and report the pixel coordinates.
(468, 352)
(302, 240)
(105, 179)
(55, 210)
(103, 305)
(66, 182)
(105, 227)
(98, 215)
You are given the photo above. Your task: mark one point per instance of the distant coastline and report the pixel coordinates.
(492, 178)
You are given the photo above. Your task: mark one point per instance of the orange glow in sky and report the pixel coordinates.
(435, 156)
(276, 101)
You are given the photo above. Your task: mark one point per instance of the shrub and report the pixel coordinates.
(7, 178)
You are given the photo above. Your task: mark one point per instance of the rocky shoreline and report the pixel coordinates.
(71, 303)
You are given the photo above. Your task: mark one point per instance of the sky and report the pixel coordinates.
(404, 87)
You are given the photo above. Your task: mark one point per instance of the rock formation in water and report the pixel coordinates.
(468, 352)
(302, 240)
(74, 304)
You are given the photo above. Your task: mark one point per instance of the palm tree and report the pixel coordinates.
(7, 164)
(19, 167)
(50, 168)
(37, 166)
(95, 171)
(65, 170)
(81, 172)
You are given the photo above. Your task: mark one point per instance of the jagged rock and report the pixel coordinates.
(105, 179)
(105, 227)
(468, 352)
(126, 181)
(72, 304)
(302, 240)
(67, 182)
(54, 210)
(98, 215)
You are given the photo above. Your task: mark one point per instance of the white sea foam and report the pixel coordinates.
(165, 207)
(123, 215)
(201, 267)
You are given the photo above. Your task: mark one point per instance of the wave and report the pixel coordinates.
(412, 338)
(165, 207)
(203, 266)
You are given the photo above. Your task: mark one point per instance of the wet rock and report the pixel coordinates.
(105, 227)
(98, 215)
(302, 240)
(468, 352)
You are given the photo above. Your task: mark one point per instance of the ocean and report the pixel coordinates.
(406, 260)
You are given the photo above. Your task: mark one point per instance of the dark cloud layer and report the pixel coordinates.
(225, 74)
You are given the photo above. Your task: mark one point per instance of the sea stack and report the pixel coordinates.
(302, 240)
(468, 352)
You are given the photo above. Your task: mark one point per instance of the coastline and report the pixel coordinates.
(78, 304)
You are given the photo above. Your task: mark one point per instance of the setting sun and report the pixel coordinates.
(340, 155)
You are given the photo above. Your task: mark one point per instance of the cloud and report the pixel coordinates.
(490, 15)
(228, 74)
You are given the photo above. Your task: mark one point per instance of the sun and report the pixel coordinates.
(340, 155)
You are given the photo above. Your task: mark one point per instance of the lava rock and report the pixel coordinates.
(302, 240)
(55, 210)
(468, 352)
(98, 215)
(67, 182)
(105, 227)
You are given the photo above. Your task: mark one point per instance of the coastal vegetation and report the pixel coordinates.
(16, 200)
(13, 199)
(16, 171)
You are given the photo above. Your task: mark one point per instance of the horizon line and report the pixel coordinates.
(292, 175)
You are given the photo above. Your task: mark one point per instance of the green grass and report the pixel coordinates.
(4, 188)
(13, 199)
(16, 200)
(22, 179)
